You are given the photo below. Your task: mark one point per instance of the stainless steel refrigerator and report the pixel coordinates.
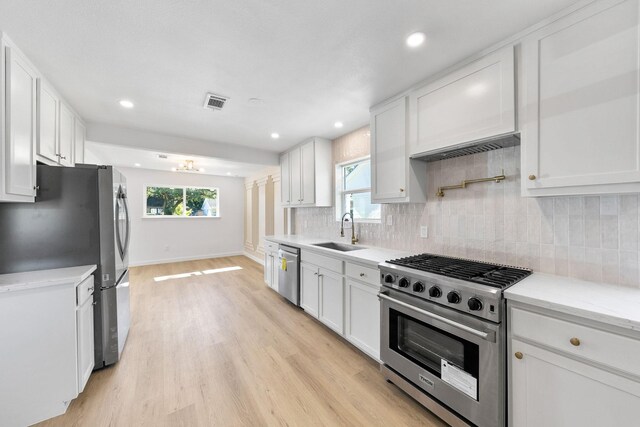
(80, 216)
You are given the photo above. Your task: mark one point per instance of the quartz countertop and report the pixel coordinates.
(610, 304)
(42, 278)
(369, 255)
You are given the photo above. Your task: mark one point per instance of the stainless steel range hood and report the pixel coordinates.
(472, 147)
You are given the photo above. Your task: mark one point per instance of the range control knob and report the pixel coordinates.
(474, 304)
(389, 278)
(453, 297)
(404, 282)
(435, 292)
(418, 287)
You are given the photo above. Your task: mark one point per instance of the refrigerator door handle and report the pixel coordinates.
(128, 226)
(118, 238)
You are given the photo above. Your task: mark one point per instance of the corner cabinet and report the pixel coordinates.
(474, 102)
(18, 129)
(394, 177)
(580, 102)
(565, 370)
(306, 174)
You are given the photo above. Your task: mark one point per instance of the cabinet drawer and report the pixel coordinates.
(364, 274)
(271, 246)
(329, 263)
(84, 290)
(607, 348)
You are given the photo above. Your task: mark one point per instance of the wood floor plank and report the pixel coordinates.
(221, 348)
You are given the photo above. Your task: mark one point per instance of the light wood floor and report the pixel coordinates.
(223, 349)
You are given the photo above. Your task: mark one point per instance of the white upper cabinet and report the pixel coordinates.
(79, 138)
(580, 103)
(66, 136)
(48, 112)
(285, 180)
(472, 103)
(394, 178)
(18, 133)
(307, 174)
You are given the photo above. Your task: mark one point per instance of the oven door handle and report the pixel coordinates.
(488, 336)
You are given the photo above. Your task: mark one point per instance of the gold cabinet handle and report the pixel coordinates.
(402, 190)
(574, 341)
(362, 274)
(532, 177)
(519, 355)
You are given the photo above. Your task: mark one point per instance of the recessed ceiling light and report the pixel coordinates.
(416, 39)
(275, 135)
(338, 124)
(228, 173)
(201, 170)
(125, 103)
(137, 165)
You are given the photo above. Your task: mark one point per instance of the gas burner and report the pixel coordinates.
(495, 275)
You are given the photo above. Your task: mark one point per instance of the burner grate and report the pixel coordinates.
(498, 276)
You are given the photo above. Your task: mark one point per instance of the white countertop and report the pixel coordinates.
(42, 278)
(610, 304)
(369, 255)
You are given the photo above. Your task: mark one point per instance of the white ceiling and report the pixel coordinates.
(128, 157)
(312, 62)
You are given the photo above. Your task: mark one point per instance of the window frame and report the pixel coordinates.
(184, 200)
(340, 192)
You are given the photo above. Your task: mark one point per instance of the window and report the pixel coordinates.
(353, 191)
(181, 202)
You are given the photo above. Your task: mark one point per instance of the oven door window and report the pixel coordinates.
(427, 345)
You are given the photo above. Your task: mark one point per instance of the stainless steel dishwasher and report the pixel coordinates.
(289, 273)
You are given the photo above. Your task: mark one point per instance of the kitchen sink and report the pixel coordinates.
(337, 246)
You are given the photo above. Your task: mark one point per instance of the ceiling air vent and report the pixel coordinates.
(215, 102)
(163, 156)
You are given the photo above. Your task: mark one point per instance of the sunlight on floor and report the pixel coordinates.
(196, 273)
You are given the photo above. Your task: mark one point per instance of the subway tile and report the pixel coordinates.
(608, 205)
(533, 228)
(592, 231)
(610, 266)
(575, 205)
(609, 231)
(547, 259)
(592, 205)
(562, 260)
(629, 268)
(561, 230)
(576, 230)
(546, 230)
(628, 232)
(560, 206)
(628, 205)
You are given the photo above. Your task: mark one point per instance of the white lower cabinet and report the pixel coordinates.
(347, 303)
(566, 371)
(362, 315)
(84, 326)
(46, 343)
(331, 300)
(309, 289)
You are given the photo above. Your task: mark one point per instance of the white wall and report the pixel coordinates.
(157, 240)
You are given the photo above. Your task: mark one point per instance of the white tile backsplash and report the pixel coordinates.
(590, 237)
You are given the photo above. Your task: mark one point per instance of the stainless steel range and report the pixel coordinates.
(443, 334)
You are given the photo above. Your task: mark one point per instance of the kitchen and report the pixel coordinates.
(453, 230)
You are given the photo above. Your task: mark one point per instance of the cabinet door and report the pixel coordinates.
(472, 103)
(20, 163)
(85, 343)
(296, 176)
(285, 179)
(389, 151)
(362, 325)
(79, 136)
(275, 268)
(332, 300)
(308, 173)
(48, 103)
(65, 137)
(268, 269)
(309, 288)
(581, 102)
(549, 390)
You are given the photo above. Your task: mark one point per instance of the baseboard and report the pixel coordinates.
(180, 259)
(254, 258)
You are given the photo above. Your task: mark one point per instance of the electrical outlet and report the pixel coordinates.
(424, 231)
(389, 219)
